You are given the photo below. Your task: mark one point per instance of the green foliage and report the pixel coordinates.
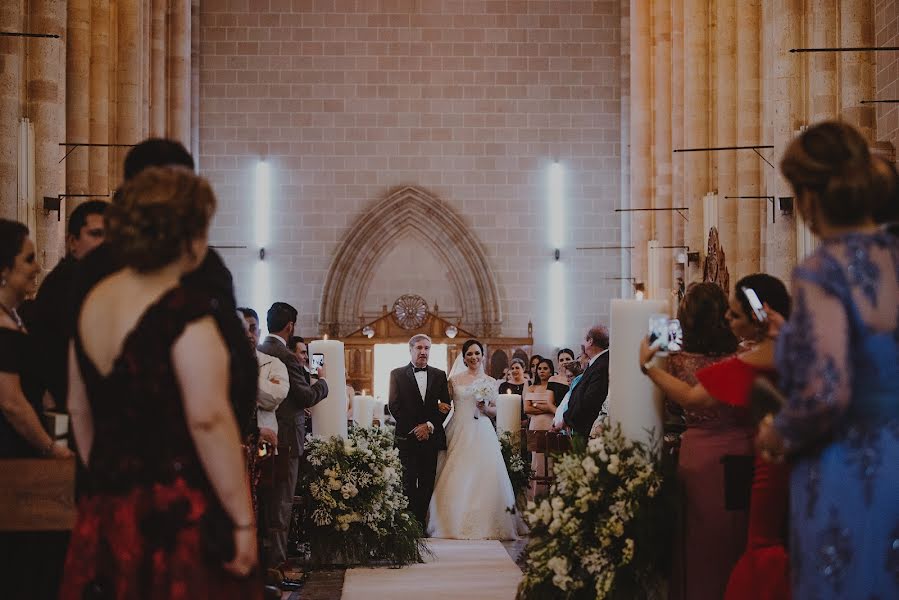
(357, 512)
(517, 467)
(604, 530)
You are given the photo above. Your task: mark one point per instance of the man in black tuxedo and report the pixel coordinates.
(419, 401)
(589, 396)
(281, 321)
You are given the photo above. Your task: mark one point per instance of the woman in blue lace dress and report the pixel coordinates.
(839, 369)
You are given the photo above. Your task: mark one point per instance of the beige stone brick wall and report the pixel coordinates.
(886, 33)
(470, 100)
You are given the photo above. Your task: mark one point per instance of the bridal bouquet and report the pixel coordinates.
(484, 391)
(602, 531)
(356, 512)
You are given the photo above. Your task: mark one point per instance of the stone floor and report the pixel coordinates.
(328, 584)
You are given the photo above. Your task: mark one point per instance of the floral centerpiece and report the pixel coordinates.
(603, 531)
(356, 512)
(519, 470)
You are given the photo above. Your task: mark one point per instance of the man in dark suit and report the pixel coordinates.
(281, 321)
(419, 401)
(587, 399)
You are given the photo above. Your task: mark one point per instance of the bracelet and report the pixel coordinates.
(645, 367)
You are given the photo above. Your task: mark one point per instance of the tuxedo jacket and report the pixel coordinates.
(409, 409)
(301, 395)
(587, 398)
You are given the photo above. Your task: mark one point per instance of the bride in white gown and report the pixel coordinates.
(473, 496)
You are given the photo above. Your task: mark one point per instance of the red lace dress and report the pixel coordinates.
(762, 572)
(149, 524)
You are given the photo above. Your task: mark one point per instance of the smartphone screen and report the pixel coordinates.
(318, 361)
(755, 304)
(668, 331)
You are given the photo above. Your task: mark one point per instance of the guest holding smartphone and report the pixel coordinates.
(762, 570)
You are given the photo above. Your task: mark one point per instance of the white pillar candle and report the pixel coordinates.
(508, 413)
(329, 415)
(634, 401)
(363, 411)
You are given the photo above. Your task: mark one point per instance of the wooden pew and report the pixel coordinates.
(37, 494)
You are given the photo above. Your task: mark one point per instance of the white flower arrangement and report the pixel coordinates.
(601, 531)
(356, 510)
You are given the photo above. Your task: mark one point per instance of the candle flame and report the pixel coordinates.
(639, 295)
(324, 337)
(509, 392)
(363, 391)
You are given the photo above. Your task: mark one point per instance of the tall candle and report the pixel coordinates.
(634, 401)
(508, 413)
(363, 411)
(329, 415)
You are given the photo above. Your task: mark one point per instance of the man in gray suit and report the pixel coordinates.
(281, 321)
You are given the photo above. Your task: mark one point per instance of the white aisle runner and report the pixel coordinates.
(473, 570)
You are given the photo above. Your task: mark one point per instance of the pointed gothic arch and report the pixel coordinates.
(410, 211)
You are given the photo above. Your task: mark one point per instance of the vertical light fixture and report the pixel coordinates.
(262, 231)
(556, 284)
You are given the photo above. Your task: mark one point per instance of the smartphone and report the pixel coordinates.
(317, 361)
(668, 331)
(758, 310)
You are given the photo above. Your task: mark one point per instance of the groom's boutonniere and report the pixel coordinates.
(483, 392)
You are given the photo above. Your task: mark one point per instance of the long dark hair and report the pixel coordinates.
(552, 370)
(12, 237)
(702, 317)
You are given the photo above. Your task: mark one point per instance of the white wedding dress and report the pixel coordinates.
(472, 495)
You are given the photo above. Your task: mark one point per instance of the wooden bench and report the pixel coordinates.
(37, 494)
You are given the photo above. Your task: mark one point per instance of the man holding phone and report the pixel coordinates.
(281, 321)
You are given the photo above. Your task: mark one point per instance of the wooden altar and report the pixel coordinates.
(392, 327)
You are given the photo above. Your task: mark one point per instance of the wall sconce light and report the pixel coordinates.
(452, 331)
(557, 254)
(692, 257)
(262, 254)
(368, 331)
(786, 205)
(51, 203)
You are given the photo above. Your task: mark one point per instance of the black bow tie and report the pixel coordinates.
(423, 369)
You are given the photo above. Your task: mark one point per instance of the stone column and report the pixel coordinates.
(746, 258)
(12, 53)
(696, 114)
(677, 118)
(784, 103)
(128, 69)
(78, 67)
(726, 123)
(178, 126)
(157, 70)
(641, 135)
(661, 131)
(857, 68)
(824, 92)
(98, 163)
(45, 90)
(195, 81)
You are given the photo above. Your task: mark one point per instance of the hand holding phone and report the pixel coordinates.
(755, 304)
(316, 362)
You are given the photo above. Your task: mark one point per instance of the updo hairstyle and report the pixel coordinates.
(469, 343)
(702, 317)
(151, 223)
(832, 160)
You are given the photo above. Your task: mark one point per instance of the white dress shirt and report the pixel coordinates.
(274, 383)
(421, 378)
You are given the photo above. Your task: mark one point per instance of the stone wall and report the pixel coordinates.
(886, 33)
(470, 101)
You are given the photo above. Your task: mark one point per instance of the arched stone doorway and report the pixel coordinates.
(410, 210)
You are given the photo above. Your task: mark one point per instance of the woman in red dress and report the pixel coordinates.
(762, 572)
(166, 511)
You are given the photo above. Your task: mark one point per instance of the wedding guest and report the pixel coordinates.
(281, 322)
(837, 358)
(51, 314)
(273, 383)
(574, 370)
(540, 405)
(587, 402)
(712, 533)
(148, 389)
(211, 278)
(560, 382)
(761, 571)
(517, 384)
(31, 566)
(532, 369)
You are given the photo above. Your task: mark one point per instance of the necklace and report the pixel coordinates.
(14, 316)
